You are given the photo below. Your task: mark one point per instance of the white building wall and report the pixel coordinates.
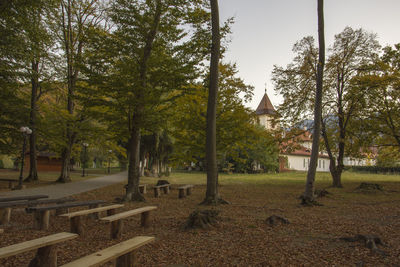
(301, 163)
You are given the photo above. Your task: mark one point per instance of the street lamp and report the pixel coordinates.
(109, 158)
(85, 145)
(25, 132)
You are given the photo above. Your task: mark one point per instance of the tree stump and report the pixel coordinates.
(116, 229)
(275, 220)
(45, 257)
(126, 260)
(189, 191)
(41, 220)
(181, 193)
(76, 225)
(166, 189)
(5, 215)
(202, 219)
(145, 219)
(156, 192)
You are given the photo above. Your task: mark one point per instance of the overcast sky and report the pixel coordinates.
(265, 31)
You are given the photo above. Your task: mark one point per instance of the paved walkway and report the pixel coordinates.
(69, 189)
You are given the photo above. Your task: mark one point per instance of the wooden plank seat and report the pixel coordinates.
(185, 190)
(10, 181)
(123, 253)
(46, 255)
(41, 215)
(117, 223)
(165, 187)
(5, 207)
(142, 188)
(33, 197)
(75, 217)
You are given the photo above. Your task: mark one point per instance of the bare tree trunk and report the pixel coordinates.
(132, 190)
(33, 175)
(309, 191)
(212, 196)
(68, 41)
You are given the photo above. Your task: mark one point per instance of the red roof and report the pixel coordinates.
(265, 106)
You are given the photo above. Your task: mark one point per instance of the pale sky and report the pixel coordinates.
(265, 31)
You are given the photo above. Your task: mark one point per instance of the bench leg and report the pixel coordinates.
(116, 229)
(145, 219)
(181, 193)
(41, 220)
(5, 215)
(188, 191)
(156, 192)
(45, 257)
(144, 189)
(76, 225)
(126, 260)
(94, 215)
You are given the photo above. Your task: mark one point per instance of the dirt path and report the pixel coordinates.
(69, 189)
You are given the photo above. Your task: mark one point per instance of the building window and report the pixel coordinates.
(304, 163)
(319, 163)
(323, 164)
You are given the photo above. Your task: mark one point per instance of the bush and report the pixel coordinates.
(376, 169)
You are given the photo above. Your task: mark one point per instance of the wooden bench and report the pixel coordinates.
(34, 197)
(10, 181)
(5, 207)
(185, 189)
(117, 223)
(47, 249)
(157, 188)
(75, 217)
(41, 215)
(123, 253)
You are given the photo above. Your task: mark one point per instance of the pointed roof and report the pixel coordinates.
(265, 106)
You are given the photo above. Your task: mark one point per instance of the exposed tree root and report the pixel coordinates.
(369, 188)
(214, 202)
(320, 193)
(305, 201)
(275, 220)
(370, 241)
(131, 197)
(203, 219)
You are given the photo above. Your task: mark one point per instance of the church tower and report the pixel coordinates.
(266, 112)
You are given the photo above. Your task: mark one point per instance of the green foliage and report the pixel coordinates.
(239, 140)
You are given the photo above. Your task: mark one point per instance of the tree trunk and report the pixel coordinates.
(309, 191)
(33, 175)
(132, 190)
(72, 75)
(212, 196)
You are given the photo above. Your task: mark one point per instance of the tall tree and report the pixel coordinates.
(341, 101)
(212, 195)
(309, 191)
(75, 18)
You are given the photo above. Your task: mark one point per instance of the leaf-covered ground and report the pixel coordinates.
(242, 237)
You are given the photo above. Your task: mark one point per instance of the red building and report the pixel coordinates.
(46, 161)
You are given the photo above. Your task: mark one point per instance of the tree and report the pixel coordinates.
(152, 51)
(75, 18)
(342, 102)
(381, 82)
(309, 191)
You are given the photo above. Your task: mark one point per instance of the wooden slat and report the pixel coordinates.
(161, 186)
(89, 211)
(34, 202)
(185, 186)
(35, 243)
(5, 199)
(66, 205)
(128, 213)
(110, 253)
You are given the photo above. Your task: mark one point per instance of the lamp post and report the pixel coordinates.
(25, 132)
(85, 145)
(109, 159)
